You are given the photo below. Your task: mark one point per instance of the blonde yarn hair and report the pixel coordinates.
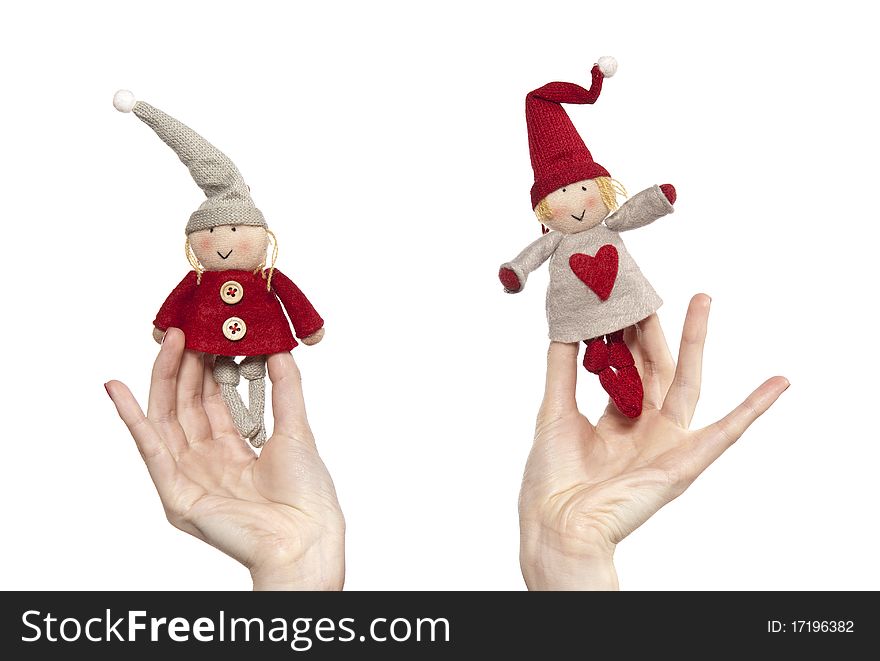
(193, 261)
(543, 210)
(268, 279)
(609, 189)
(199, 269)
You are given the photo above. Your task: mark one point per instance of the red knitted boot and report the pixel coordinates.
(596, 356)
(626, 386)
(617, 372)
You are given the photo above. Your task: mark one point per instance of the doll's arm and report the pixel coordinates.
(171, 312)
(513, 274)
(643, 208)
(307, 322)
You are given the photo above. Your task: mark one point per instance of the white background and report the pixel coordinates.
(386, 145)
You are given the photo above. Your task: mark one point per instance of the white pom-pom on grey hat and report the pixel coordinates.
(124, 101)
(607, 65)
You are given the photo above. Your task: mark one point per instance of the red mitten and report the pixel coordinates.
(669, 192)
(509, 279)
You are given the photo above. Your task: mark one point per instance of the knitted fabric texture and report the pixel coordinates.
(226, 374)
(624, 386)
(253, 368)
(613, 362)
(248, 419)
(596, 356)
(574, 311)
(199, 311)
(228, 199)
(559, 155)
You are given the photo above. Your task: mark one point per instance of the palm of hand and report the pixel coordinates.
(587, 487)
(246, 507)
(609, 479)
(276, 513)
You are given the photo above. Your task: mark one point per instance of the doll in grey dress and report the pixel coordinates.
(596, 289)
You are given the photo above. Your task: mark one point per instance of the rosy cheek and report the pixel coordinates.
(203, 244)
(591, 202)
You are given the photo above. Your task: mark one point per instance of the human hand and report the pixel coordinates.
(276, 513)
(314, 338)
(587, 487)
(510, 280)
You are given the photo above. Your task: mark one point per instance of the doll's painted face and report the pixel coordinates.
(228, 247)
(574, 208)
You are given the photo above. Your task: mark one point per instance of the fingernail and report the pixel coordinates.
(108, 390)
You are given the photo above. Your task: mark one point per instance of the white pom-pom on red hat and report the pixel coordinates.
(607, 65)
(124, 101)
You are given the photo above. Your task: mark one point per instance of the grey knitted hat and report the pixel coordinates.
(229, 201)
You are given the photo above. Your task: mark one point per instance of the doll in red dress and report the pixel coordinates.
(230, 304)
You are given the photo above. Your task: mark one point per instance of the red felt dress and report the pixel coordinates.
(231, 313)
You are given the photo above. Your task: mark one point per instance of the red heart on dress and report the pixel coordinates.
(599, 272)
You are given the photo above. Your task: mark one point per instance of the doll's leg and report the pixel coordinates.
(612, 360)
(596, 357)
(226, 376)
(619, 355)
(629, 392)
(253, 368)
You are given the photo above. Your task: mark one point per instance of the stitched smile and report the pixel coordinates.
(222, 256)
(579, 219)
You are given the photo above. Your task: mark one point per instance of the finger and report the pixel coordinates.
(681, 400)
(288, 405)
(559, 388)
(657, 364)
(162, 406)
(716, 438)
(159, 461)
(218, 413)
(190, 410)
(631, 337)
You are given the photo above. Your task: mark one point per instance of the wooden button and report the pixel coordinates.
(234, 329)
(231, 292)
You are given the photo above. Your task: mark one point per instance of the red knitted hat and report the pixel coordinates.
(559, 155)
